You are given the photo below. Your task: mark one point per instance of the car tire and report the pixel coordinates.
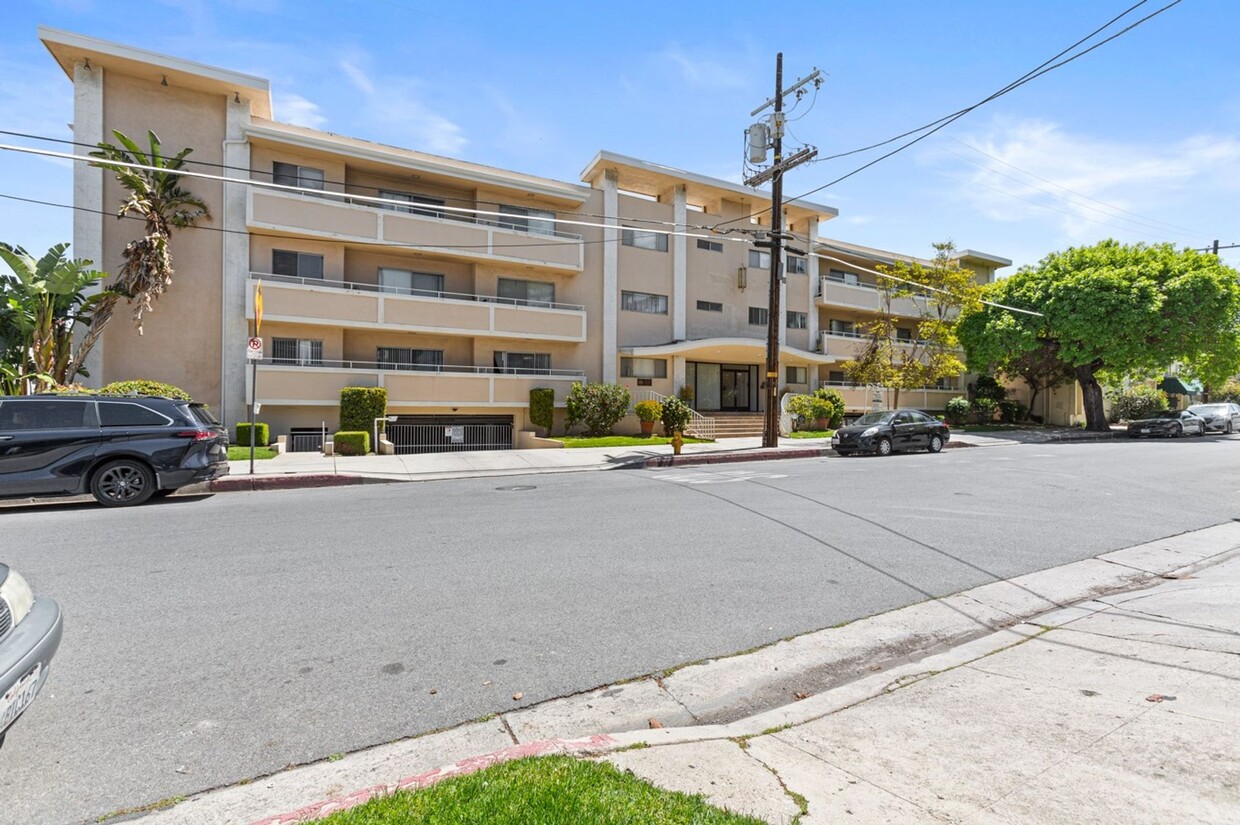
(1228, 430)
(122, 483)
(1176, 431)
(882, 446)
(936, 444)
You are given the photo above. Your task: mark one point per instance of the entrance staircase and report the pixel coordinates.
(736, 424)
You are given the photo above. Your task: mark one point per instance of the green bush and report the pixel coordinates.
(987, 388)
(142, 386)
(957, 410)
(1136, 402)
(1228, 393)
(261, 438)
(811, 408)
(648, 412)
(676, 416)
(836, 399)
(1011, 411)
(597, 407)
(686, 394)
(984, 409)
(542, 408)
(351, 443)
(360, 406)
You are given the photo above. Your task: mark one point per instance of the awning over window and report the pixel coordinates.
(1173, 386)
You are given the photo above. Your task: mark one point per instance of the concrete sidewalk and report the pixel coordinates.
(1106, 690)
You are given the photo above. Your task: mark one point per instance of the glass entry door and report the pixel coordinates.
(734, 389)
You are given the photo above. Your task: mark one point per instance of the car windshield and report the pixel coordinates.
(874, 418)
(1208, 409)
(1166, 414)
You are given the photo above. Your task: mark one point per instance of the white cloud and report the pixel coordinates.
(357, 77)
(295, 109)
(702, 70)
(394, 105)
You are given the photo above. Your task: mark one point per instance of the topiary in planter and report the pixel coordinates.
(648, 411)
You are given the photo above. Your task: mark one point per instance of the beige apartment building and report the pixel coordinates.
(456, 286)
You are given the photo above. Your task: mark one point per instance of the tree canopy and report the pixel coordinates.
(1110, 309)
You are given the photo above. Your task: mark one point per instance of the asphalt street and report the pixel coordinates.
(217, 638)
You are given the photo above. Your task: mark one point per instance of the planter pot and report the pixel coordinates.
(647, 427)
(821, 424)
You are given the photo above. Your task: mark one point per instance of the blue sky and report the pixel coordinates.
(1140, 140)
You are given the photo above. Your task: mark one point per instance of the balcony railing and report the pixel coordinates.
(352, 286)
(517, 223)
(384, 366)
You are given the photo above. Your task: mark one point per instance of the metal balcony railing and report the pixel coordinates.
(455, 369)
(351, 286)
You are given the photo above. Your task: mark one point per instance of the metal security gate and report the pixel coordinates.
(434, 434)
(305, 441)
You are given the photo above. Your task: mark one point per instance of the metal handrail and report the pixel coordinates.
(351, 286)
(699, 425)
(432, 368)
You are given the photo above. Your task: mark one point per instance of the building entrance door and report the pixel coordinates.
(734, 389)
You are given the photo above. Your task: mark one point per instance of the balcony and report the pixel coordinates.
(858, 398)
(319, 215)
(342, 303)
(847, 344)
(319, 383)
(867, 297)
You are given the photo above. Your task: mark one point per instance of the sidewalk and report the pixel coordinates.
(1103, 691)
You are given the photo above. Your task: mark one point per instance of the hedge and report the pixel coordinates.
(261, 438)
(351, 443)
(360, 406)
(143, 386)
(542, 407)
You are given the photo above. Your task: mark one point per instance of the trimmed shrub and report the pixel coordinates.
(542, 408)
(957, 410)
(987, 387)
(1011, 411)
(836, 399)
(648, 412)
(351, 443)
(142, 386)
(597, 407)
(1136, 402)
(811, 408)
(360, 406)
(984, 410)
(261, 438)
(676, 416)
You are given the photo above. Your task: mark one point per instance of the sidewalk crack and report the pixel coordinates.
(800, 801)
(508, 727)
(659, 682)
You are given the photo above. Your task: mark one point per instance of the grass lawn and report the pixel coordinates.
(812, 434)
(547, 790)
(620, 440)
(243, 453)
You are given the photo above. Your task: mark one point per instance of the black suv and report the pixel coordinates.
(121, 450)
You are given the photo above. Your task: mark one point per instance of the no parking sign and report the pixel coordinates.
(254, 349)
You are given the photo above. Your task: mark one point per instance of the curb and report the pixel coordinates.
(683, 460)
(229, 484)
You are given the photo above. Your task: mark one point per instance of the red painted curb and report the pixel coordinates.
(317, 810)
(289, 482)
(731, 458)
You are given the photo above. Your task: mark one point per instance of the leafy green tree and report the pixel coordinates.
(1110, 309)
(157, 197)
(933, 352)
(41, 305)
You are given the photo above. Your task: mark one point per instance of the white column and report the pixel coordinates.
(234, 327)
(680, 272)
(678, 372)
(811, 269)
(88, 190)
(611, 272)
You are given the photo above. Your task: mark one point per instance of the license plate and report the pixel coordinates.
(1143, 432)
(19, 697)
(835, 439)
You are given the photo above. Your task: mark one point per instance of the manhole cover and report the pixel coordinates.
(516, 488)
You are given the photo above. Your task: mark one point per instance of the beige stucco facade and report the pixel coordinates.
(457, 287)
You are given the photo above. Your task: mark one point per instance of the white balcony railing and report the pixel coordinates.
(352, 286)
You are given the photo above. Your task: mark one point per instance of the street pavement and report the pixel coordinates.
(213, 639)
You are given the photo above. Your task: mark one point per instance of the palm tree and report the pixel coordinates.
(41, 304)
(155, 195)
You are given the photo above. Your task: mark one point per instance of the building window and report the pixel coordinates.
(524, 219)
(797, 265)
(529, 293)
(642, 239)
(798, 320)
(850, 278)
(425, 205)
(710, 306)
(643, 368)
(404, 358)
(523, 363)
(302, 352)
(904, 334)
(710, 246)
(843, 328)
(796, 375)
(404, 282)
(643, 302)
(303, 177)
(758, 316)
(945, 384)
(296, 264)
(837, 377)
(759, 259)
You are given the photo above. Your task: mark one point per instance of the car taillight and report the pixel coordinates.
(197, 435)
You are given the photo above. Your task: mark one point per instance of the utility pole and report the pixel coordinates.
(770, 385)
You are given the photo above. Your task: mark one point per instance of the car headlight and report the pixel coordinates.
(17, 593)
(870, 432)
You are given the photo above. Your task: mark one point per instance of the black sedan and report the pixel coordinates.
(1167, 424)
(884, 433)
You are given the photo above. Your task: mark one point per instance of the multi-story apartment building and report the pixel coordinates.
(456, 286)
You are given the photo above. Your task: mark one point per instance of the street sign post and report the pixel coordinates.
(254, 349)
(254, 353)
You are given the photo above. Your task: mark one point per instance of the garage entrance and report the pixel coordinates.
(450, 433)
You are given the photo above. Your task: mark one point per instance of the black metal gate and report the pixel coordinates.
(443, 434)
(305, 441)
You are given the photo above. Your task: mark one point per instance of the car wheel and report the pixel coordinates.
(1228, 430)
(936, 443)
(122, 483)
(883, 446)
(1176, 431)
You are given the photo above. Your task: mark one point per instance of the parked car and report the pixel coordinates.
(121, 450)
(884, 433)
(1167, 424)
(1223, 417)
(29, 636)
